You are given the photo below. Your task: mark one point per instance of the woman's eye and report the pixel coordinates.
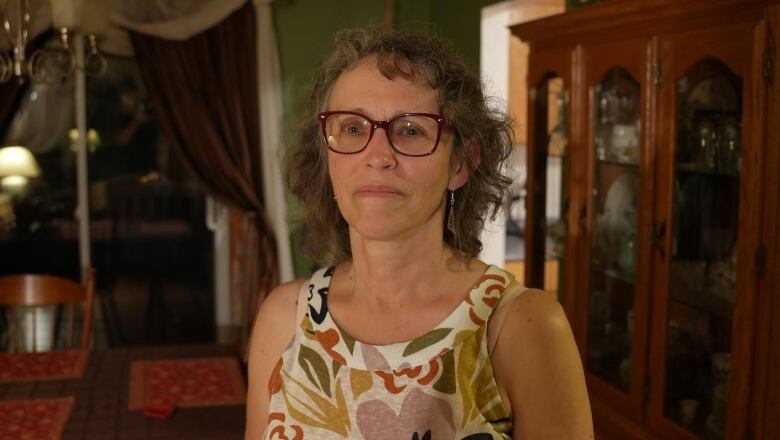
(353, 128)
(410, 131)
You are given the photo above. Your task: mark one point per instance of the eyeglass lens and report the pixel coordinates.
(408, 134)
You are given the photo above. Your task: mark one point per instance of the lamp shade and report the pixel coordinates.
(18, 161)
(96, 13)
(66, 13)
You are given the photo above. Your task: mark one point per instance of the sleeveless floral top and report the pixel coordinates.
(327, 385)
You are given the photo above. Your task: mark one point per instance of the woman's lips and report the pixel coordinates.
(377, 191)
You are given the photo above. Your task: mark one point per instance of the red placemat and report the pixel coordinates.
(186, 382)
(50, 365)
(39, 419)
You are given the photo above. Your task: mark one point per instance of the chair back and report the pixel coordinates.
(26, 297)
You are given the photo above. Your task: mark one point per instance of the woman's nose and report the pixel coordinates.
(379, 152)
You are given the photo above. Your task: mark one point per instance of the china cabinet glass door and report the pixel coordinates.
(557, 199)
(616, 138)
(551, 152)
(708, 227)
(702, 278)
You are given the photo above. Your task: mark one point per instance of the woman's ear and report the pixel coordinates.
(462, 166)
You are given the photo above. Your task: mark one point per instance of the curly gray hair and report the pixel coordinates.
(403, 54)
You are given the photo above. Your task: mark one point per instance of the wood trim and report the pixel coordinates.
(623, 403)
(766, 384)
(643, 295)
(578, 211)
(751, 188)
(545, 63)
(638, 17)
(610, 425)
(518, 88)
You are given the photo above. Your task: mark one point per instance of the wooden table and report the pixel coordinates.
(100, 409)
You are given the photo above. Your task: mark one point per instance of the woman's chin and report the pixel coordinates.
(378, 230)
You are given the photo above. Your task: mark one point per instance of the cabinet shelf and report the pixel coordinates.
(612, 273)
(619, 163)
(703, 302)
(699, 169)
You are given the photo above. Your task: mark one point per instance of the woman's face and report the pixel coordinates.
(382, 194)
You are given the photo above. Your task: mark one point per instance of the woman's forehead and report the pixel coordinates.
(365, 84)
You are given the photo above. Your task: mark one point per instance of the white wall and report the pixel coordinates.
(494, 70)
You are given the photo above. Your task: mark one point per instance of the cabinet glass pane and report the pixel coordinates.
(549, 188)
(703, 262)
(616, 133)
(556, 202)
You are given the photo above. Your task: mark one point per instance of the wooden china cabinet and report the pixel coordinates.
(656, 125)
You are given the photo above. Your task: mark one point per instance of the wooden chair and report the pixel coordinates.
(36, 291)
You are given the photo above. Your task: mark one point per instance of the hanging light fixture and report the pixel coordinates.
(53, 63)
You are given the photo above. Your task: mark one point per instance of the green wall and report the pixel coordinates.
(305, 30)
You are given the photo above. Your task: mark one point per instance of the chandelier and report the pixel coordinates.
(54, 62)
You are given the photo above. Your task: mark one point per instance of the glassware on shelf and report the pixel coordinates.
(730, 152)
(626, 258)
(617, 218)
(624, 143)
(721, 372)
(617, 131)
(687, 410)
(616, 139)
(708, 141)
(702, 270)
(709, 119)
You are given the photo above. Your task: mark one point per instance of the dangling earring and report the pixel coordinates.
(451, 215)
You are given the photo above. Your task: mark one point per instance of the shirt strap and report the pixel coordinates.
(302, 304)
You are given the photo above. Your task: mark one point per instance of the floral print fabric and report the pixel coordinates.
(327, 385)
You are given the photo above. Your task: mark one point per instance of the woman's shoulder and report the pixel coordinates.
(536, 321)
(281, 303)
(551, 365)
(284, 293)
(536, 310)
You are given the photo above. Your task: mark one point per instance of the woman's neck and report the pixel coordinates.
(393, 271)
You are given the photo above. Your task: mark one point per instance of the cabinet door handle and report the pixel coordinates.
(659, 232)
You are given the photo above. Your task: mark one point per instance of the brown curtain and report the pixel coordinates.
(205, 93)
(10, 94)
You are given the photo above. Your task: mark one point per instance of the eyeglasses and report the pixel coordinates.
(409, 134)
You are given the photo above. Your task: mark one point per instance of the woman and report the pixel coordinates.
(405, 334)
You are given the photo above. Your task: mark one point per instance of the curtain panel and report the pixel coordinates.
(269, 79)
(172, 19)
(205, 91)
(10, 95)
